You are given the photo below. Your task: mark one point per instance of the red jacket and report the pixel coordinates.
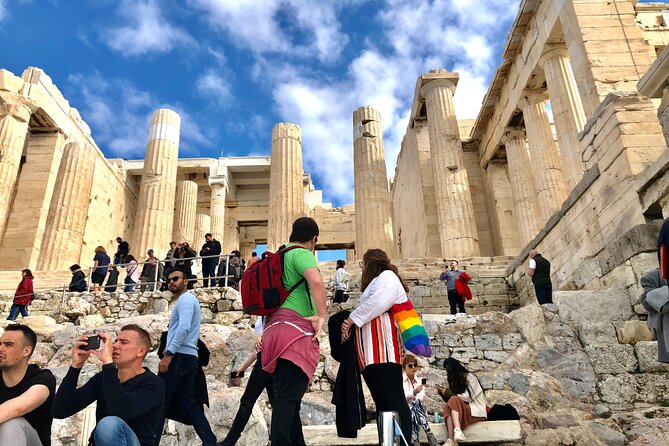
(24, 292)
(461, 286)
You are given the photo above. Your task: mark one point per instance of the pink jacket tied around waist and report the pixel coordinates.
(289, 336)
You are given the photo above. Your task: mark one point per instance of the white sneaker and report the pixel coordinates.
(458, 435)
(449, 442)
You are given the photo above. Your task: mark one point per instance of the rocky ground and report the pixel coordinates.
(575, 380)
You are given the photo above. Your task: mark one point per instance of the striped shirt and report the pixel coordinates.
(378, 338)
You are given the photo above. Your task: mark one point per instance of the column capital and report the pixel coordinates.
(532, 97)
(513, 133)
(287, 130)
(217, 182)
(444, 83)
(551, 52)
(19, 111)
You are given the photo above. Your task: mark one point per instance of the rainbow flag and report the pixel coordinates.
(414, 336)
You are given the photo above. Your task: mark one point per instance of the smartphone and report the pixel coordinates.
(423, 381)
(92, 343)
(234, 375)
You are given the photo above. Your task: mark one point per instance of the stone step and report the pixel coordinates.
(484, 432)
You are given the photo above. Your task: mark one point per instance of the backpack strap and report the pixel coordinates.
(282, 250)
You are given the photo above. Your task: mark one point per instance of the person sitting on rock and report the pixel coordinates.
(414, 392)
(26, 391)
(467, 404)
(129, 396)
(78, 281)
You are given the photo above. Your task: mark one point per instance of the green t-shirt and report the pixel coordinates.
(296, 262)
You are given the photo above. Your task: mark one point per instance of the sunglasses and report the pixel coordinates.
(173, 279)
(412, 365)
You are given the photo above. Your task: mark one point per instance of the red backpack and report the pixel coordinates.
(263, 290)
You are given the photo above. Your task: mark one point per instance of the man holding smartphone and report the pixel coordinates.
(129, 396)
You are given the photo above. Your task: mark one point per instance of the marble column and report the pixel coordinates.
(155, 207)
(185, 205)
(567, 111)
(14, 120)
(455, 210)
(522, 184)
(66, 222)
(373, 221)
(217, 208)
(286, 202)
(246, 249)
(202, 226)
(548, 178)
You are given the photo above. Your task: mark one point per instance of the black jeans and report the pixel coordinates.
(180, 384)
(208, 270)
(454, 300)
(385, 384)
(258, 381)
(544, 294)
(291, 384)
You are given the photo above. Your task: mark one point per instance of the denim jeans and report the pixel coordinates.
(14, 312)
(113, 431)
(208, 270)
(258, 381)
(129, 285)
(180, 384)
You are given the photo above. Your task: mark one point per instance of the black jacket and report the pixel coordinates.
(347, 395)
(201, 392)
(78, 282)
(212, 248)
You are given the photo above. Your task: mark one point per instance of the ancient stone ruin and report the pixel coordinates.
(568, 156)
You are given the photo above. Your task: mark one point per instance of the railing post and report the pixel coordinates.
(387, 429)
(90, 278)
(227, 268)
(155, 275)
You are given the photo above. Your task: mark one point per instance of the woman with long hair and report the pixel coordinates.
(414, 392)
(23, 296)
(132, 274)
(378, 338)
(101, 263)
(467, 405)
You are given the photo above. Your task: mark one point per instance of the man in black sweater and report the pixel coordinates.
(540, 272)
(211, 247)
(129, 396)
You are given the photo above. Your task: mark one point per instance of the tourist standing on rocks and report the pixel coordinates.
(149, 279)
(259, 380)
(540, 272)
(129, 396)
(101, 263)
(179, 365)
(122, 251)
(254, 258)
(414, 392)
(132, 277)
(449, 276)
(23, 296)
(378, 337)
(340, 283)
(26, 391)
(467, 405)
(184, 261)
(290, 349)
(78, 281)
(211, 247)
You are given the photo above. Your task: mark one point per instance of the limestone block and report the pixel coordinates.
(488, 342)
(464, 354)
(612, 358)
(581, 307)
(497, 356)
(646, 353)
(631, 332)
(92, 321)
(229, 317)
(530, 321)
(593, 333)
(512, 341)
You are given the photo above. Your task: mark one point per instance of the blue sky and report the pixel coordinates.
(232, 69)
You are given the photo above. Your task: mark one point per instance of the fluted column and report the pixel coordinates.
(286, 201)
(373, 223)
(455, 210)
(66, 222)
(185, 205)
(551, 190)
(567, 111)
(155, 208)
(522, 184)
(14, 120)
(246, 249)
(217, 208)
(202, 226)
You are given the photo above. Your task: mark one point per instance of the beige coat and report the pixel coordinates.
(475, 397)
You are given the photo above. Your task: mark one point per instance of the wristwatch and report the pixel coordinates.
(168, 353)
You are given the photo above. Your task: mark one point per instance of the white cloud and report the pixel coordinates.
(3, 10)
(119, 115)
(298, 28)
(215, 89)
(456, 34)
(146, 30)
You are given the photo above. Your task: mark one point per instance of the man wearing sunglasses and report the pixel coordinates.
(180, 361)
